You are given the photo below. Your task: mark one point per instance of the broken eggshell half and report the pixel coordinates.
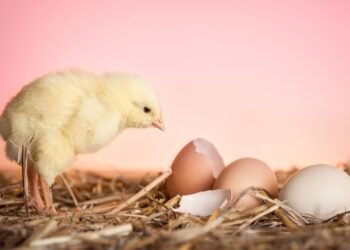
(195, 168)
(204, 203)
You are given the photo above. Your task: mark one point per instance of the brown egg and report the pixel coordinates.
(244, 173)
(195, 168)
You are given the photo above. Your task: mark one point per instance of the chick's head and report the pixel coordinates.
(137, 101)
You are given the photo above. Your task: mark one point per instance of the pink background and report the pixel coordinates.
(269, 79)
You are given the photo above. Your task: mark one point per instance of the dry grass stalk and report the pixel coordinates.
(41, 232)
(70, 191)
(293, 215)
(285, 219)
(173, 201)
(214, 215)
(15, 201)
(78, 238)
(141, 193)
(115, 197)
(188, 234)
(11, 186)
(258, 216)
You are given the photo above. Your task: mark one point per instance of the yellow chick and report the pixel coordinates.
(71, 113)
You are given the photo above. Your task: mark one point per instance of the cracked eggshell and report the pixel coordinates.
(244, 173)
(203, 203)
(319, 190)
(195, 168)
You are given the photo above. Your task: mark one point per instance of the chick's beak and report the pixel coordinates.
(159, 124)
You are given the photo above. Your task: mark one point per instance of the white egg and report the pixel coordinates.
(319, 190)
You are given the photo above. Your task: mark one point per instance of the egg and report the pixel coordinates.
(195, 168)
(242, 174)
(322, 191)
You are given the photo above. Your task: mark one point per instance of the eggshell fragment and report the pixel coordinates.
(203, 203)
(322, 191)
(206, 148)
(194, 168)
(243, 174)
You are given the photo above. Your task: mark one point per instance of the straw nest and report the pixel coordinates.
(121, 213)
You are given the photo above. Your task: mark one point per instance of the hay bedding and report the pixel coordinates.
(121, 213)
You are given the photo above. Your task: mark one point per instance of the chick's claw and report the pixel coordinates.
(36, 205)
(40, 208)
(51, 211)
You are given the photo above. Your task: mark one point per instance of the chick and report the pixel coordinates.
(70, 113)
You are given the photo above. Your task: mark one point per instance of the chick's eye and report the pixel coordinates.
(146, 109)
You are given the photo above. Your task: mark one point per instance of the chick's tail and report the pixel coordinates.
(4, 128)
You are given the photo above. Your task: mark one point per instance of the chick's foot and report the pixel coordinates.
(38, 205)
(47, 195)
(50, 211)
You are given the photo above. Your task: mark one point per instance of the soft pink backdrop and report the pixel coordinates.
(269, 79)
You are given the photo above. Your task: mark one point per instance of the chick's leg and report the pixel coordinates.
(35, 198)
(53, 155)
(47, 195)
